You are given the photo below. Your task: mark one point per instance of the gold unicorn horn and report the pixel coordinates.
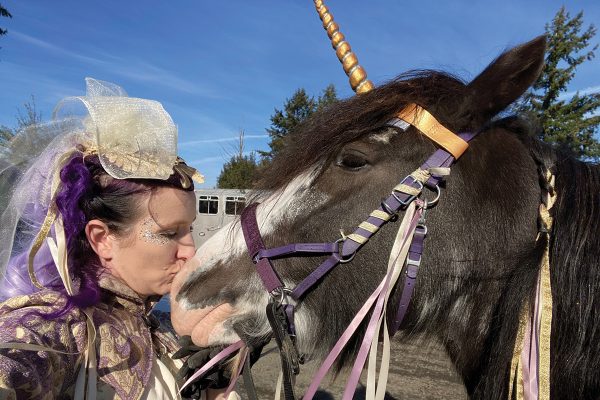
(356, 73)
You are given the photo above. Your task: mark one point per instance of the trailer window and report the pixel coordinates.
(208, 204)
(234, 205)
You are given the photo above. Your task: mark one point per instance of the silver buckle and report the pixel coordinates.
(412, 196)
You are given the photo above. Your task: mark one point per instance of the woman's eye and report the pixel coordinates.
(351, 161)
(169, 235)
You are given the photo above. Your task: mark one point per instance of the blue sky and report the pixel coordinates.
(222, 66)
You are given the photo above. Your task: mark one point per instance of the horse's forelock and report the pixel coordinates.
(319, 138)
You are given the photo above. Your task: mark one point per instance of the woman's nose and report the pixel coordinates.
(187, 248)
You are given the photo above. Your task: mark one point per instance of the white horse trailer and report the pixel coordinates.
(216, 208)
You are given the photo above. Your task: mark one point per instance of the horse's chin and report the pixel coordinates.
(206, 326)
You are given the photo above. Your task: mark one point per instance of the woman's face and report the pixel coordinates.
(154, 249)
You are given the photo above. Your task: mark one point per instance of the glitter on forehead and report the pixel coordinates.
(148, 236)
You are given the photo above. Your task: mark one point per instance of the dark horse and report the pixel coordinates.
(481, 259)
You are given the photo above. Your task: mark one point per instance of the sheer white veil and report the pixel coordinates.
(133, 138)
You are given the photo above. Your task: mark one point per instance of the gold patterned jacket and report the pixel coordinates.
(128, 340)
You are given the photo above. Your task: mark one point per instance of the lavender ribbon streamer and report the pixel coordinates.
(351, 329)
(529, 354)
(220, 356)
(238, 371)
(368, 338)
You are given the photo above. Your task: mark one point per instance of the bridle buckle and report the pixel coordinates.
(341, 259)
(280, 295)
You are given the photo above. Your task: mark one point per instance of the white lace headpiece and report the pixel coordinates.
(133, 138)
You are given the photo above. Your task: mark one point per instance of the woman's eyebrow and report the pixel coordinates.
(175, 223)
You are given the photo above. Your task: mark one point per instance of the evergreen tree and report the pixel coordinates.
(328, 97)
(6, 134)
(296, 109)
(566, 122)
(239, 172)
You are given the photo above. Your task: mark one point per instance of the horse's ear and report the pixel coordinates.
(505, 79)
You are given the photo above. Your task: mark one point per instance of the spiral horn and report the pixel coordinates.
(356, 73)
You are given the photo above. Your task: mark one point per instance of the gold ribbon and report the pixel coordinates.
(360, 239)
(546, 288)
(187, 173)
(544, 319)
(426, 123)
(48, 221)
(382, 215)
(31, 347)
(516, 367)
(58, 250)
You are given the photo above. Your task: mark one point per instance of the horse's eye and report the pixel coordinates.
(351, 160)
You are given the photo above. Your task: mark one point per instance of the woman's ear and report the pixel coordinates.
(98, 235)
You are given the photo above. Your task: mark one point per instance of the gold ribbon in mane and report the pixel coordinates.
(536, 320)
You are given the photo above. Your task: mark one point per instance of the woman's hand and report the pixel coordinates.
(219, 394)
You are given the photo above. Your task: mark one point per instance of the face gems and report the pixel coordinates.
(148, 236)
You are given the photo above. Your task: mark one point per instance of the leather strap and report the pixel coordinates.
(254, 242)
(290, 361)
(304, 248)
(413, 262)
(426, 123)
(249, 381)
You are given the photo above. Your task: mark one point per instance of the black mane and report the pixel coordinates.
(574, 263)
(575, 274)
(325, 132)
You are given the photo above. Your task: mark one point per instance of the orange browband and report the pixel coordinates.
(426, 123)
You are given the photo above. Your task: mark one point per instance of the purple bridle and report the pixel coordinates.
(344, 250)
(341, 251)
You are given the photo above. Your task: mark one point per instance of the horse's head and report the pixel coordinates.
(335, 170)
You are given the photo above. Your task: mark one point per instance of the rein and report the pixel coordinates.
(281, 308)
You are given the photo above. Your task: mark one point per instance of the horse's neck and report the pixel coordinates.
(481, 345)
(495, 262)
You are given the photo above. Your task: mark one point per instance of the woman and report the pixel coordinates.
(97, 227)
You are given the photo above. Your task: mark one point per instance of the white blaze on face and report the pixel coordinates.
(296, 199)
(383, 137)
(228, 243)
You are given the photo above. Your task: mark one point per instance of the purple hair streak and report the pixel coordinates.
(86, 192)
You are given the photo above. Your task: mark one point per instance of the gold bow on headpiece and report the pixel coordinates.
(134, 138)
(187, 173)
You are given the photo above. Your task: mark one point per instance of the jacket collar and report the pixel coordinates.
(117, 291)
